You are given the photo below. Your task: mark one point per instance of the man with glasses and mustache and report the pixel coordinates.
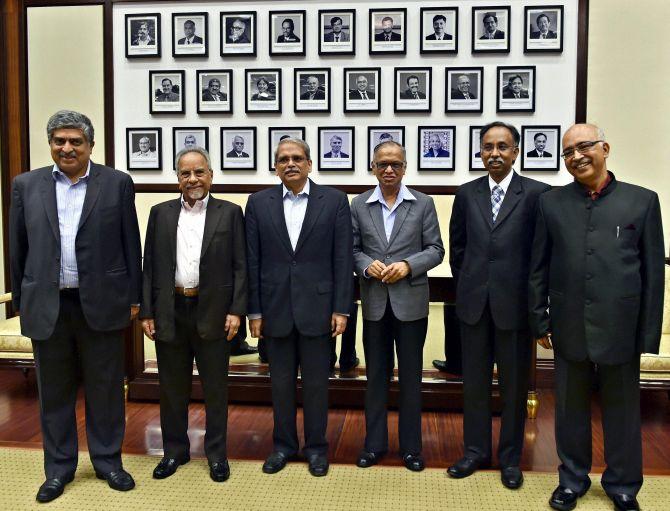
(238, 32)
(490, 237)
(598, 264)
(213, 91)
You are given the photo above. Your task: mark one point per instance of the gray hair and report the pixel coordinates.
(389, 142)
(196, 149)
(296, 141)
(64, 119)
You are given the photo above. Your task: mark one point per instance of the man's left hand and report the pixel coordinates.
(338, 323)
(394, 272)
(232, 325)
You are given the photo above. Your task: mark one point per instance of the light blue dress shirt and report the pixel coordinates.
(389, 214)
(295, 207)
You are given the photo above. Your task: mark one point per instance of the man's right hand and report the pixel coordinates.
(149, 328)
(375, 269)
(256, 328)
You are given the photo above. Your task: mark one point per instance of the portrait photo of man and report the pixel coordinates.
(543, 28)
(335, 148)
(491, 30)
(387, 34)
(190, 36)
(142, 35)
(413, 90)
(213, 91)
(336, 34)
(463, 88)
(515, 88)
(144, 149)
(439, 26)
(167, 92)
(238, 148)
(315, 90)
(540, 141)
(436, 147)
(237, 32)
(288, 34)
(362, 90)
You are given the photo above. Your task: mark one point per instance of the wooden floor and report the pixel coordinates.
(250, 430)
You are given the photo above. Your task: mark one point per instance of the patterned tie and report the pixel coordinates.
(497, 195)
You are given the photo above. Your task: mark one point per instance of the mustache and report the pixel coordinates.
(491, 161)
(71, 154)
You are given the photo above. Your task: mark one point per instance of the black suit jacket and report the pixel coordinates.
(107, 247)
(355, 94)
(509, 94)
(223, 268)
(498, 34)
(535, 154)
(407, 94)
(536, 35)
(490, 262)
(207, 96)
(318, 94)
(300, 288)
(394, 37)
(433, 37)
(457, 94)
(600, 264)
(233, 154)
(196, 40)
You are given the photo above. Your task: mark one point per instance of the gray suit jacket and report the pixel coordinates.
(415, 239)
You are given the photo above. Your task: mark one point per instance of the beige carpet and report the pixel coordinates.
(345, 488)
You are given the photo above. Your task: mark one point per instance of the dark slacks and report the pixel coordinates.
(175, 372)
(619, 387)
(312, 356)
(74, 350)
(378, 341)
(482, 345)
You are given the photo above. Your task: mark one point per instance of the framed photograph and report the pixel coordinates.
(311, 89)
(238, 33)
(190, 34)
(183, 138)
(543, 29)
(516, 89)
(287, 33)
(379, 134)
(475, 156)
(215, 90)
(491, 29)
(262, 90)
(464, 89)
(540, 148)
(238, 148)
(166, 92)
(336, 148)
(337, 32)
(436, 147)
(143, 35)
(388, 31)
(276, 135)
(143, 149)
(439, 30)
(362, 89)
(412, 89)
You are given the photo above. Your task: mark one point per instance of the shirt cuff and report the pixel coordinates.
(255, 316)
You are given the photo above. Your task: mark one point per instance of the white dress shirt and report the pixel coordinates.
(504, 184)
(190, 230)
(295, 207)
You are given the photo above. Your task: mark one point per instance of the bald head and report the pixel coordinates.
(585, 153)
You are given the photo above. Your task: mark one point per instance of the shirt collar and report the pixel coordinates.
(286, 191)
(504, 184)
(599, 192)
(200, 205)
(55, 172)
(403, 194)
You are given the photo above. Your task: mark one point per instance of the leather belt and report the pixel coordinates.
(186, 291)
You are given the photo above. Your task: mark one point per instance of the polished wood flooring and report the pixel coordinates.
(250, 429)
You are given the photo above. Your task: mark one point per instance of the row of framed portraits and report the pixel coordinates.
(438, 31)
(336, 151)
(362, 90)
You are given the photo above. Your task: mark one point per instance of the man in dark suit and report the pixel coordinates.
(540, 140)
(436, 150)
(75, 270)
(542, 22)
(143, 38)
(335, 148)
(213, 91)
(361, 91)
(387, 34)
(439, 25)
(313, 92)
(288, 34)
(300, 260)
(192, 310)
(463, 89)
(490, 237)
(168, 93)
(412, 91)
(598, 257)
(514, 88)
(336, 35)
(238, 32)
(238, 148)
(491, 27)
(189, 34)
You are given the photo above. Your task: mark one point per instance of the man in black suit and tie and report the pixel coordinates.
(76, 270)
(439, 24)
(335, 148)
(463, 89)
(412, 91)
(436, 150)
(238, 148)
(194, 296)
(490, 237)
(189, 34)
(313, 92)
(361, 92)
(491, 27)
(598, 264)
(336, 35)
(540, 140)
(213, 91)
(542, 22)
(288, 34)
(300, 260)
(238, 32)
(387, 34)
(514, 88)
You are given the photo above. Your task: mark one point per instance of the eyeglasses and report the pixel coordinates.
(488, 148)
(284, 160)
(582, 147)
(383, 165)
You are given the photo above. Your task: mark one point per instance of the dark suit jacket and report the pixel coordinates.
(490, 262)
(355, 94)
(243, 39)
(329, 154)
(223, 268)
(445, 37)
(498, 34)
(207, 96)
(233, 154)
(442, 153)
(508, 94)
(196, 40)
(300, 288)
(394, 37)
(407, 94)
(107, 247)
(535, 154)
(536, 35)
(457, 94)
(319, 94)
(329, 37)
(601, 265)
(291, 39)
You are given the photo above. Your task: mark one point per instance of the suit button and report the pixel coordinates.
(589, 276)
(293, 263)
(587, 302)
(588, 206)
(589, 251)
(491, 260)
(591, 228)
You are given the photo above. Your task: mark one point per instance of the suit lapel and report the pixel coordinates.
(49, 201)
(400, 215)
(483, 198)
(92, 192)
(172, 222)
(375, 209)
(314, 209)
(212, 217)
(277, 217)
(512, 198)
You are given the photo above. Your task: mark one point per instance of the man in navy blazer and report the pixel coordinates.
(76, 270)
(300, 263)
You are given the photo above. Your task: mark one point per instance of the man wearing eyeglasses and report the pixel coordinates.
(396, 241)
(490, 237)
(598, 262)
(238, 32)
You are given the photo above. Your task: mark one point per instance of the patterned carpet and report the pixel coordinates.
(345, 488)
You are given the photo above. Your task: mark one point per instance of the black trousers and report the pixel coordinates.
(175, 372)
(312, 356)
(482, 344)
(74, 350)
(378, 341)
(347, 343)
(619, 387)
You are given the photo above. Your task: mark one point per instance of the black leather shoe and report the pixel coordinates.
(275, 462)
(318, 465)
(511, 477)
(167, 467)
(348, 369)
(624, 502)
(219, 471)
(53, 488)
(119, 480)
(367, 459)
(465, 467)
(244, 349)
(414, 462)
(564, 499)
(440, 365)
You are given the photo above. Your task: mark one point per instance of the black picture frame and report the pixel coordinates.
(454, 100)
(532, 41)
(475, 163)
(275, 134)
(373, 77)
(228, 48)
(504, 103)
(136, 50)
(157, 77)
(402, 89)
(273, 77)
(206, 105)
(230, 161)
(346, 162)
(374, 138)
(301, 80)
(133, 160)
(277, 47)
(397, 46)
(428, 43)
(181, 131)
(196, 49)
(551, 160)
(328, 47)
(426, 159)
(495, 45)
